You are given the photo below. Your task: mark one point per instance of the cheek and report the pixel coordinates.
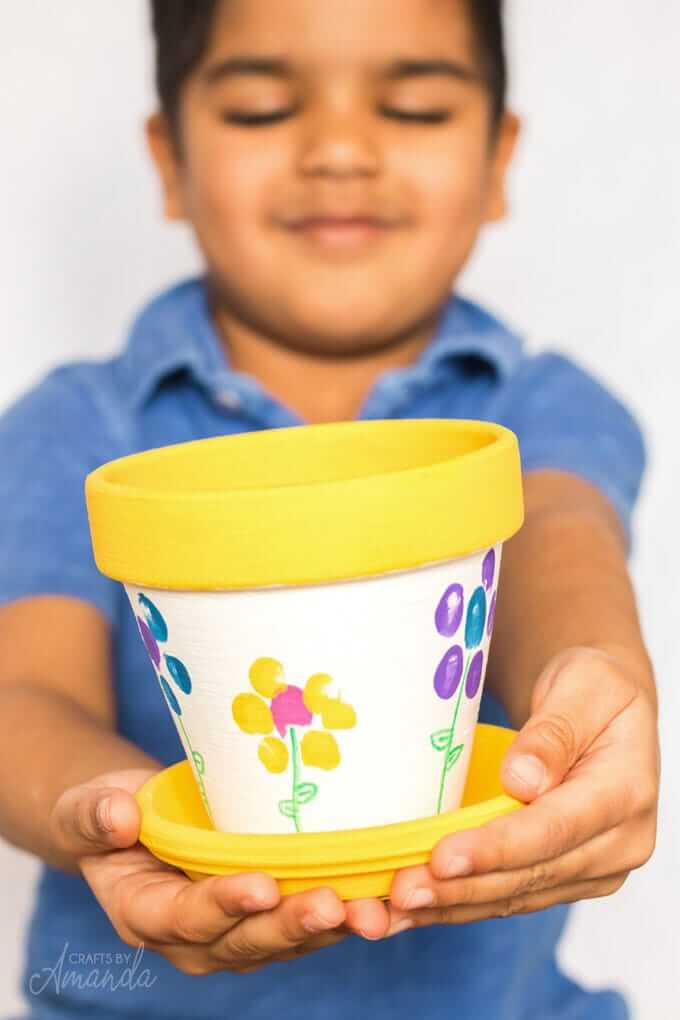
(230, 186)
(448, 182)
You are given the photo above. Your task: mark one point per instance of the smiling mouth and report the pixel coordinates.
(340, 233)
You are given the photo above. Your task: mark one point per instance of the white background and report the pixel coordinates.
(588, 262)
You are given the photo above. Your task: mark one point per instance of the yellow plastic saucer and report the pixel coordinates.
(354, 862)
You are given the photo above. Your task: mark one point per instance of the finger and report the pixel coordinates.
(90, 820)
(525, 904)
(312, 945)
(277, 931)
(614, 851)
(200, 961)
(209, 908)
(368, 918)
(559, 731)
(591, 801)
(170, 909)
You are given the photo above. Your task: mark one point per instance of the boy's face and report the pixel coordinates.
(336, 165)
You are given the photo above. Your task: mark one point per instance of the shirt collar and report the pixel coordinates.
(466, 329)
(175, 332)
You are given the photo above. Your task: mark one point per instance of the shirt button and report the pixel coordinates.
(229, 399)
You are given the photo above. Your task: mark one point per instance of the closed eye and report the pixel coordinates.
(245, 119)
(416, 116)
(258, 119)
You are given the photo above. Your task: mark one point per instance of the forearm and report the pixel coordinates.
(564, 582)
(49, 744)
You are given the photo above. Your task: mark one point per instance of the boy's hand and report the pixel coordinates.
(592, 740)
(234, 923)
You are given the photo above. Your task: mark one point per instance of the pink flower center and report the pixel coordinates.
(289, 709)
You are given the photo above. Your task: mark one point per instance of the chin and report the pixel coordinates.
(346, 315)
(342, 329)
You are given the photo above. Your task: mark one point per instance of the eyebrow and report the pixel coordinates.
(422, 68)
(271, 67)
(275, 67)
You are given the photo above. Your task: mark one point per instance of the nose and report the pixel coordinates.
(339, 144)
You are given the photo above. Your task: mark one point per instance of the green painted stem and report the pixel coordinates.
(294, 759)
(451, 733)
(191, 750)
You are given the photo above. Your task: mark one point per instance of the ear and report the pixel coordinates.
(164, 153)
(503, 151)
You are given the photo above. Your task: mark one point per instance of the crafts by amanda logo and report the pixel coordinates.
(108, 971)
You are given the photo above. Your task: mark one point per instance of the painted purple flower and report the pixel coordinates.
(150, 642)
(449, 673)
(474, 677)
(449, 612)
(288, 709)
(492, 615)
(489, 569)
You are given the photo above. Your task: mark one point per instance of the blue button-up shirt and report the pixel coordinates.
(173, 383)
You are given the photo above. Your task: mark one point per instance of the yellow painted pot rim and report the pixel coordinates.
(305, 505)
(176, 828)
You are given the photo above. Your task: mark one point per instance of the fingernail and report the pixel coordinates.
(370, 938)
(419, 898)
(529, 771)
(251, 904)
(314, 922)
(456, 867)
(104, 815)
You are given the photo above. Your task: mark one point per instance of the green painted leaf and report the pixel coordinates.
(440, 739)
(199, 761)
(287, 808)
(453, 756)
(306, 792)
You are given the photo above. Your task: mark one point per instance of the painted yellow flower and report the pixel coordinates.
(288, 707)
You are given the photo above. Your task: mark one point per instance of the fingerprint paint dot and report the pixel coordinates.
(266, 676)
(489, 569)
(474, 677)
(449, 673)
(170, 695)
(476, 618)
(273, 754)
(179, 673)
(336, 715)
(320, 750)
(150, 642)
(252, 714)
(154, 618)
(449, 612)
(492, 614)
(289, 709)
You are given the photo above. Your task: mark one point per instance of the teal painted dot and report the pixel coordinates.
(170, 695)
(179, 673)
(476, 618)
(154, 619)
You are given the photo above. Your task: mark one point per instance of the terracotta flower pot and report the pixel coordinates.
(317, 603)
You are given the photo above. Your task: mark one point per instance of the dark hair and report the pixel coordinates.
(486, 17)
(182, 28)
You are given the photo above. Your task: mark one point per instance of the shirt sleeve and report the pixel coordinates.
(50, 439)
(565, 419)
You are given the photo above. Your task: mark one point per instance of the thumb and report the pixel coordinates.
(572, 704)
(90, 819)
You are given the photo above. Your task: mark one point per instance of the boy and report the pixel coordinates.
(336, 160)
